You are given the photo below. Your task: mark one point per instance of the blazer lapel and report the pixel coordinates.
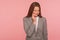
(39, 20)
(30, 19)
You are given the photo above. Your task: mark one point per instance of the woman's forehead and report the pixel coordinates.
(36, 8)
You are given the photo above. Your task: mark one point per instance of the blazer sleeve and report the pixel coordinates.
(28, 27)
(45, 34)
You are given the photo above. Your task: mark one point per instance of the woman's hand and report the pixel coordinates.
(33, 19)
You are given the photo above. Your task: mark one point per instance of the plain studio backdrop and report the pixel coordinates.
(13, 11)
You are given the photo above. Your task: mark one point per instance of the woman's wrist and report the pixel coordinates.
(34, 22)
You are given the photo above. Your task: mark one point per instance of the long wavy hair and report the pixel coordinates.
(31, 9)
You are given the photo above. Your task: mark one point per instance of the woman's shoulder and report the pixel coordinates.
(25, 18)
(44, 19)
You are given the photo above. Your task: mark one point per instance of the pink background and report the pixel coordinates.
(13, 11)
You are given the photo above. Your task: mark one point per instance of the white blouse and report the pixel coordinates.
(37, 22)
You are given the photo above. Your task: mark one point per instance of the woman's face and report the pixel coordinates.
(35, 11)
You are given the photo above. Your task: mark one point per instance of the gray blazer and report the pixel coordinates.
(29, 29)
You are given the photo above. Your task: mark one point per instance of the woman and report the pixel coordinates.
(35, 30)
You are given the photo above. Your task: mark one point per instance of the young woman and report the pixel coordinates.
(35, 25)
